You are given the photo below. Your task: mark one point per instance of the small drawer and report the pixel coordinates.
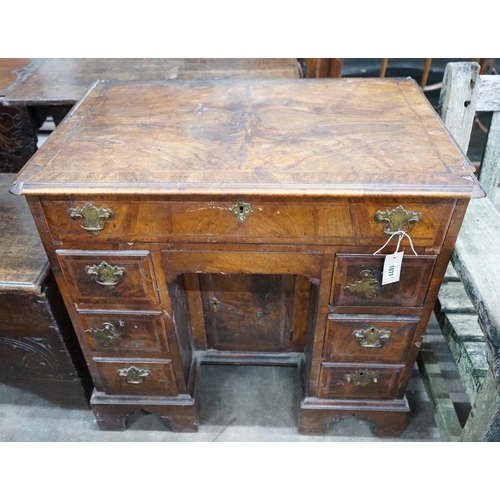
(103, 220)
(425, 221)
(122, 279)
(375, 339)
(137, 377)
(354, 381)
(358, 282)
(125, 333)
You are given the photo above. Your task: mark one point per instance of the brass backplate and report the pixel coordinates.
(91, 218)
(398, 219)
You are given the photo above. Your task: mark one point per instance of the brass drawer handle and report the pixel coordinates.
(106, 275)
(91, 217)
(242, 210)
(104, 335)
(361, 378)
(371, 337)
(365, 285)
(398, 219)
(134, 375)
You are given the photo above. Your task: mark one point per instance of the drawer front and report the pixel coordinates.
(122, 279)
(237, 218)
(426, 222)
(351, 339)
(341, 220)
(359, 381)
(254, 219)
(106, 220)
(358, 282)
(124, 333)
(151, 377)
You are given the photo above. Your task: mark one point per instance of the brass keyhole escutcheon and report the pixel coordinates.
(215, 304)
(242, 210)
(371, 337)
(361, 378)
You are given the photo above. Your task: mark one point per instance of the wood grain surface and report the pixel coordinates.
(246, 212)
(23, 265)
(59, 81)
(10, 73)
(350, 137)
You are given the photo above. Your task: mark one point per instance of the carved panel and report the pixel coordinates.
(18, 138)
(29, 356)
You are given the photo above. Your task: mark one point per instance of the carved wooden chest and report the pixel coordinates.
(241, 222)
(38, 349)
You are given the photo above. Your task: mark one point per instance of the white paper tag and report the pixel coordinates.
(392, 268)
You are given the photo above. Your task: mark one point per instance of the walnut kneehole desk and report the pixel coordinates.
(236, 222)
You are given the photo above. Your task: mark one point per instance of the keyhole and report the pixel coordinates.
(215, 304)
(241, 210)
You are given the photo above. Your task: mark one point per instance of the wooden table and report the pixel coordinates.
(239, 222)
(32, 89)
(64, 81)
(18, 136)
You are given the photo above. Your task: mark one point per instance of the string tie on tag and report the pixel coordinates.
(401, 235)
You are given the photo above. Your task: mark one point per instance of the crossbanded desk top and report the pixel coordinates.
(350, 137)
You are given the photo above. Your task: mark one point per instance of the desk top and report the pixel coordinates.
(65, 81)
(348, 137)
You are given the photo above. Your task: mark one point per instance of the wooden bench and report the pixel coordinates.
(468, 304)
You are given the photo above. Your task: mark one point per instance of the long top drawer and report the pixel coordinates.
(253, 219)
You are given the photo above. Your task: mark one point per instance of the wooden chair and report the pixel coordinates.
(472, 329)
(324, 68)
(332, 68)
